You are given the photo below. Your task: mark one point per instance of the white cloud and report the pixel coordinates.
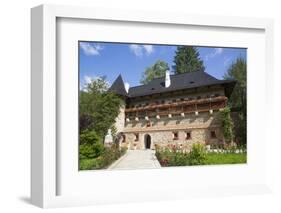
(226, 61)
(214, 53)
(87, 79)
(90, 48)
(136, 49)
(140, 50)
(148, 48)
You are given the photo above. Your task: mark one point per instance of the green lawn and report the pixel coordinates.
(167, 158)
(229, 158)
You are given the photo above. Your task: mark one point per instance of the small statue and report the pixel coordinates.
(108, 140)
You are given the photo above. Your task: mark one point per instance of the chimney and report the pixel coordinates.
(167, 79)
(127, 86)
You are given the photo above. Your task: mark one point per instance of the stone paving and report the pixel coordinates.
(137, 159)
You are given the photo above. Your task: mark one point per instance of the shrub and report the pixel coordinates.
(197, 155)
(171, 157)
(106, 157)
(86, 164)
(90, 145)
(89, 137)
(90, 150)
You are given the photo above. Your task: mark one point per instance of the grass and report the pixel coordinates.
(103, 161)
(171, 158)
(229, 158)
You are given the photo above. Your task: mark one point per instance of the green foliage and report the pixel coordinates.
(238, 71)
(155, 71)
(98, 111)
(90, 150)
(167, 157)
(175, 157)
(98, 107)
(197, 156)
(89, 137)
(113, 132)
(227, 124)
(187, 59)
(90, 145)
(87, 164)
(238, 99)
(108, 156)
(225, 158)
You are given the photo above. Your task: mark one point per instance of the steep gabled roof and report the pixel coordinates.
(178, 82)
(118, 87)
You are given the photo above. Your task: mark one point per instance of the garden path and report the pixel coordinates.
(136, 159)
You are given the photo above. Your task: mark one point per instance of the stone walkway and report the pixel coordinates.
(136, 159)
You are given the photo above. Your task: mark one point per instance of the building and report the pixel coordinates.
(179, 109)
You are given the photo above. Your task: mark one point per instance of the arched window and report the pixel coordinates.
(176, 135)
(213, 134)
(136, 136)
(188, 135)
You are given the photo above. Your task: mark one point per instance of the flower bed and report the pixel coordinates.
(198, 155)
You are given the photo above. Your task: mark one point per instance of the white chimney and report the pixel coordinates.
(167, 79)
(127, 86)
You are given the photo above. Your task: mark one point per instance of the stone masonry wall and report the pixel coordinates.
(120, 120)
(162, 131)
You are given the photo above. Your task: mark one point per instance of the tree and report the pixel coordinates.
(238, 99)
(187, 59)
(238, 71)
(227, 124)
(98, 107)
(157, 70)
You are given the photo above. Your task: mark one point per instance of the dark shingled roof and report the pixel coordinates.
(118, 87)
(178, 82)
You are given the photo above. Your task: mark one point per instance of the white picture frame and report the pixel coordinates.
(44, 154)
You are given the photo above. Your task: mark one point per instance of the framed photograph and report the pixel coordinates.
(131, 106)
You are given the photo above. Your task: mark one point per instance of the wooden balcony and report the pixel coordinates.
(199, 105)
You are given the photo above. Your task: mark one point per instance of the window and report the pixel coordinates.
(137, 136)
(176, 135)
(213, 134)
(188, 136)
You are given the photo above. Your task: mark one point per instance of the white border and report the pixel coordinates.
(43, 192)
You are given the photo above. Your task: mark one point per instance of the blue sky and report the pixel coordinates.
(130, 60)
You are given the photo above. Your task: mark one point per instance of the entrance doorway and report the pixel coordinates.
(147, 141)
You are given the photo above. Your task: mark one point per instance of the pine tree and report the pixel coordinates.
(187, 59)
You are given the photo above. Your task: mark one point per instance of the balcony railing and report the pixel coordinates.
(179, 107)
